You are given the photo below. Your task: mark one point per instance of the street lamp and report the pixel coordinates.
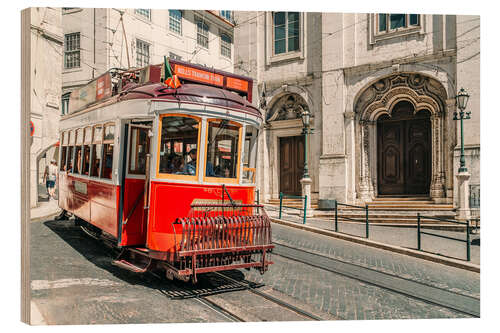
(306, 119)
(462, 99)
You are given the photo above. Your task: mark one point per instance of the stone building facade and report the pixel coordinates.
(97, 39)
(45, 82)
(381, 90)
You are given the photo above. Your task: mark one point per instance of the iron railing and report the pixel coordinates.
(365, 220)
(420, 232)
(304, 207)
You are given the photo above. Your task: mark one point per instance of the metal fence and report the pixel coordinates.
(304, 207)
(420, 232)
(365, 220)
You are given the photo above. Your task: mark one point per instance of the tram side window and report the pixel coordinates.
(179, 143)
(78, 151)
(109, 136)
(222, 149)
(96, 152)
(71, 143)
(86, 150)
(64, 150)
(139, 148)
(250, 155)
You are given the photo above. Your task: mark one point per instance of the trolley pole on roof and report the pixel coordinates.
(125, 37)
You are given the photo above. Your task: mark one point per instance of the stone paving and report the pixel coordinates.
(350, 299)
(73, 282)
(339, 296)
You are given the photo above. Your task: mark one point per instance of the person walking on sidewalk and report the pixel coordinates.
(49, 177)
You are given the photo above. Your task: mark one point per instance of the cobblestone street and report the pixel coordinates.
(349, 299)
(73, 281)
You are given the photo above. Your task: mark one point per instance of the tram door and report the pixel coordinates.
(135, 191)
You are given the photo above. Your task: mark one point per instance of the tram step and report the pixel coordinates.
(132, 261)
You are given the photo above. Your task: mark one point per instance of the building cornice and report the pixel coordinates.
(398, 61)
(221, 19)
(48, 35)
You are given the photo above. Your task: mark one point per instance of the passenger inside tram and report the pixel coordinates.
(178, 165)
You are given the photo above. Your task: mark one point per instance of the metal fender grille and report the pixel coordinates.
(217, 236)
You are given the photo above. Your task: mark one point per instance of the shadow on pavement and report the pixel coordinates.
(101, 255)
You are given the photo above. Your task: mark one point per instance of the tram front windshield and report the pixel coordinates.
(179, 151)
(179, 143)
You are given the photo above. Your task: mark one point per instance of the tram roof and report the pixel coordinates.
(190, 93)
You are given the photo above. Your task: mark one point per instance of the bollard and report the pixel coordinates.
(366, 207)
(468, 241)
(305, 208)
(336, 219)
(281, 203)
(418, 231)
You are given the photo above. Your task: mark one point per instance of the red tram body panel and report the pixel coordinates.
(167, 173)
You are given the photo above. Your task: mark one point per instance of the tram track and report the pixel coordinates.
(276, 300)
(212, 300)
(458, 302)
(233, 285)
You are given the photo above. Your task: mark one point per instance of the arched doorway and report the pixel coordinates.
(416, 105)
(285, 126)
(404, 151)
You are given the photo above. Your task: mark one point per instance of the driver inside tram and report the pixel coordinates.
(190, 167)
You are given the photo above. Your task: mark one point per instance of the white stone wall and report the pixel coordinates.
(46, 80)
(278, 76)
(343, 55)
(468, 77)
(105, 35)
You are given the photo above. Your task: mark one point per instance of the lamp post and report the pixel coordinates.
(306, 119)
(306, 180)
(463, 210)
(462, 99)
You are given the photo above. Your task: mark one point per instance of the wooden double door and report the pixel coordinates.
(291, 164)
(404, 152)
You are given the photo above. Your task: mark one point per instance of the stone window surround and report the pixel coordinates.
(75, 37)
(139, 13)
(150, 50)
(199, 31)
(296, 55)
(174, 19)
(375, 36)
(228, 47)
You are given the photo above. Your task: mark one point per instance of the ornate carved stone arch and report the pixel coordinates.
(380, 97)
(286, 107)
(278, 97)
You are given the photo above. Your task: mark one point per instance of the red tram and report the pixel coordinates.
(167, 174)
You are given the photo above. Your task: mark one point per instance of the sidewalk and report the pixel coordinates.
(401, 239)
(44, 210)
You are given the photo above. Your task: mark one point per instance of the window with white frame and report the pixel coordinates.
(175, 21)
(174, 56)
(227, 14)
(72, 50)
(201, 33)
(146, 13)
(142, 51)
(225, 45)
(65, 103)
(392, 22)
(286, 32)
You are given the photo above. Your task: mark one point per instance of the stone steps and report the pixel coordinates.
(382, 210)
(390, 210)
